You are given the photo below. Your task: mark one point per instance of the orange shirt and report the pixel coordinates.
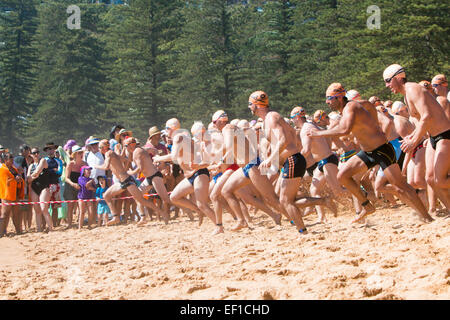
(9, 187)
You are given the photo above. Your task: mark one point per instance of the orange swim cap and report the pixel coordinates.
(440, 79)
(259, 98)
(298, 111)
(319, 115)
(335, 89)
(427, 85)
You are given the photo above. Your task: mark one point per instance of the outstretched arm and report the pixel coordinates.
(342, 129)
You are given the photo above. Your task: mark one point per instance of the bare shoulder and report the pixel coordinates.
(351, 106)
(442, 100)
(413, 89)
(273, 117)
(139, 152)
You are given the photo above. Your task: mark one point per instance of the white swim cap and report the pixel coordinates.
(353, 95)
(243, 124)
(397, 106)
(234, 122)
(173, 123)
(197, 127)
(394, 70)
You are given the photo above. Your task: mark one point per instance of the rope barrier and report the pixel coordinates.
(71, 201)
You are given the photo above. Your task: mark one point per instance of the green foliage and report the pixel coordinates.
(143, 62)
(17, 57)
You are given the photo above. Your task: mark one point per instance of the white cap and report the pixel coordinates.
(197, 127)
(243, 124)
(353, 95)
(234, 122)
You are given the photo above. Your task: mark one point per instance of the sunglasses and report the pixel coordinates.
(35, 152)
(398, 72)
(294, 115)
(331, 97)
(435, 85)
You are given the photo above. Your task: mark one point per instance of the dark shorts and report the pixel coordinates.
(384, 155)
(294, 167)
(254, 162)
(434, 140)
(150, 179)
(70, 193)
(191, 179)
(331, 159)
(311, 169)
(128, 182)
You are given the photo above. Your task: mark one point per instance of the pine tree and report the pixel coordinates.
(140, 48)
(17, 57)
(69, 90)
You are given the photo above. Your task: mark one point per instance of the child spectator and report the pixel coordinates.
(102, 208)
(86, 192)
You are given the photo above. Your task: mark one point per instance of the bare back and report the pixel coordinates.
(144, 162)
(275, 122)
(422, 104)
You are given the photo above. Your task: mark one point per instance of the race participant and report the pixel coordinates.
(440, 87)
(432, 119)
(327, 162)
(283, 150)
(241, 149)
(153, 178)
(375, 150)
(195, 171)
(114, 162)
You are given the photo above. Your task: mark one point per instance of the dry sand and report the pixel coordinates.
(393, 256)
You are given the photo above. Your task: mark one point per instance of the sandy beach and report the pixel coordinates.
(392, 256)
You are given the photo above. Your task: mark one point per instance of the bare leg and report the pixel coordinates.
(288, 192)
(45, 197)
(404, 190)
(351, 168)
(236, 181)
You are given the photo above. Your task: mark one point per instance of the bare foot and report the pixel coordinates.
(218, 230)
(239, 226)
(113, 222)
(427, 218)
(329, 203)
(277, 219)
(200, 218)
(142, 222)
(366, 210)
(165, 217)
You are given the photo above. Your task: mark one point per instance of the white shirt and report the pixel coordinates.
(98, 160)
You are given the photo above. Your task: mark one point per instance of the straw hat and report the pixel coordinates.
(153, 131)
(122, 131)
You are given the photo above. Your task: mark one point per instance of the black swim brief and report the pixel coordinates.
(197, 173)
(384, 155)
(434, 140)
(150, 179)
(331, 159)
(294, 167)
(311, 169)
(128, 182)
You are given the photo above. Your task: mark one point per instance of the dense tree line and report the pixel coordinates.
(139, 62)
